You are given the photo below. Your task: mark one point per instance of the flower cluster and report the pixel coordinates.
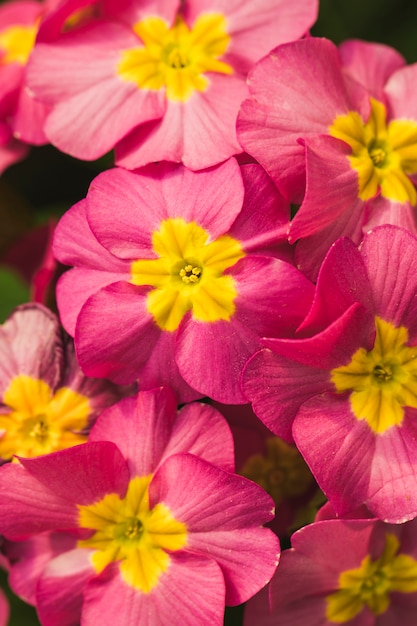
(232, 334)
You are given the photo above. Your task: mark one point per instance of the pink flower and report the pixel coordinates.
(352, 572)
(159, 80)
(340, 137)
(46, 402)
(176, 276)
(345, 391)
(165, 533)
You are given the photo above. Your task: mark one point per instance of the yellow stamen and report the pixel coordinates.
(127, 530)
(371, 584)
(39, 421)
(176, 58)
(188, 274)
(383, 381)
(16, 43)
(383, 155)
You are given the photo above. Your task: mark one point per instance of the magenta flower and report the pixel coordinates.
(179, 294)
(159, 80)
(352, 572)
(346, 391)
(341, 138)
(46, 402)
(165, 533)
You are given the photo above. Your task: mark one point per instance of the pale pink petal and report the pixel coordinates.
(31, 344)
(29, 120)
(370, 64)
(199, 132)
(287, 105)
(59, 594)
(381, 211)
(190, 592)
(400, 91)
(94, 108)
(29, 558)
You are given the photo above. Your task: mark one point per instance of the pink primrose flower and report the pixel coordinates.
(158, 80)
(345, 572)
(345, 391)
(46, 403)
(176, 276)
(159, 530)
(336, 129)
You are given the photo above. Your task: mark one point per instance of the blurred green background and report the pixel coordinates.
(47, 183)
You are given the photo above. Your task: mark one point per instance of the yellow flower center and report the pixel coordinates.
(282, 472)
(371, 584)
(188, 274)
(383, 155)
(16, 43)
(126, 530)
(176, 58)
(383, 381)
(40, 421)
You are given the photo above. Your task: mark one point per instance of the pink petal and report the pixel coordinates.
(257, 27)
(141, 428)
(400, 91)
(29, 558)
(201, 430)
(338, 449)
(331, 188)
(287, 104)
(199, 132)
(277, 387)
(370, 64)
(190, 592)
(93, 108)
(31, 344)
(212, 198)
(127, 345)
(59, 596)
(393, 279)
(262, 224)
